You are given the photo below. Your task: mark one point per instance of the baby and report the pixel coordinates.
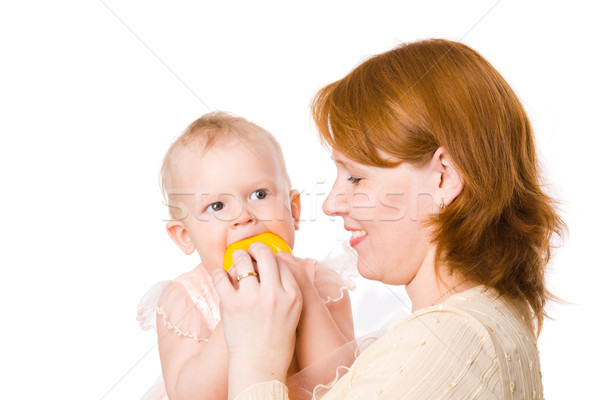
(224, 180)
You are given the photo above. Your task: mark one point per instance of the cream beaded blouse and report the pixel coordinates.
(475, 345)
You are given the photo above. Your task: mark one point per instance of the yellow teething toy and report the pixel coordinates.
(272, 241)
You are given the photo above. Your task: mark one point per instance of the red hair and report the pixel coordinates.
(418, 97)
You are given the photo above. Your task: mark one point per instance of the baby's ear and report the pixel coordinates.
(180, 236)
(295, 207)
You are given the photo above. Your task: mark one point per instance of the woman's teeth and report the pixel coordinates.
(356, 234)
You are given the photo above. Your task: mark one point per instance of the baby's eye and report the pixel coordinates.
(216, 206)
(258, 194)
(354, 180)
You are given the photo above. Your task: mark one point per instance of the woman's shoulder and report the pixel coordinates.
(498, 315)
(434, 351)
(505, 323)
(498, 326)
(475, 341)
(458, 316)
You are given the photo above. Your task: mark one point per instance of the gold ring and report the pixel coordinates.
(245, 275)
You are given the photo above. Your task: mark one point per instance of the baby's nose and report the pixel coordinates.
(244, 217)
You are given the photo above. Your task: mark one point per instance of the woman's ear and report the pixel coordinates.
(450, 180)
(295, 207)
(180, 236)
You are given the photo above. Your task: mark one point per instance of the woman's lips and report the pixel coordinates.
(357, 237)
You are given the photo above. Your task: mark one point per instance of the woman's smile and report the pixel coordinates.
(357, 237)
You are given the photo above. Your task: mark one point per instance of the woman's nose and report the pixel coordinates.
(335, 204)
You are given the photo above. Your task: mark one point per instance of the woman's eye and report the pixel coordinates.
(354, 180)
(258, 194)
(214, 207)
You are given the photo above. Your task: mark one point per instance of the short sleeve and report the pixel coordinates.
(190, 317)
(437, 354)
(146, 310)
(333, 275)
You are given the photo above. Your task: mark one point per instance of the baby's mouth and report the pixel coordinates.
(244, 237)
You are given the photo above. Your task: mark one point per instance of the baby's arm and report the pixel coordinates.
(339, 302)
(191, 369)
(322, 328)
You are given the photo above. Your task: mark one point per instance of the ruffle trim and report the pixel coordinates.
(321, 390)
(342, 290)
(329, 299)
(342, 260)
(178, 331)
(148, 311)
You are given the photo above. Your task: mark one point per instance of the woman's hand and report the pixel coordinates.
(259, 317)
(302, 269)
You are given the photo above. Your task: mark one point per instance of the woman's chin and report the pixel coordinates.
(367, 271)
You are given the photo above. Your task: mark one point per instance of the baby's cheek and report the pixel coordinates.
(284, 228)
(288, 235)
(212, 260)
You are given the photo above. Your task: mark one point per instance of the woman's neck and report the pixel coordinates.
(428, 288)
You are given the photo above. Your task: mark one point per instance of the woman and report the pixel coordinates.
(439, 183)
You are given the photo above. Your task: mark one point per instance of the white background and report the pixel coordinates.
(92, 94)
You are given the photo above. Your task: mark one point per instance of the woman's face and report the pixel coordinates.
(385, 209)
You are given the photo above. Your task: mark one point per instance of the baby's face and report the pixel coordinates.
(233, 191)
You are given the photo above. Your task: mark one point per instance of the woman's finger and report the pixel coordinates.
(223, 284)
(244, 268)
(265, 264)
(297, 268)
(288, 281)
(232, 272)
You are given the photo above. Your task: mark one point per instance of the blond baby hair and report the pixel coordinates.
(209, 129)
